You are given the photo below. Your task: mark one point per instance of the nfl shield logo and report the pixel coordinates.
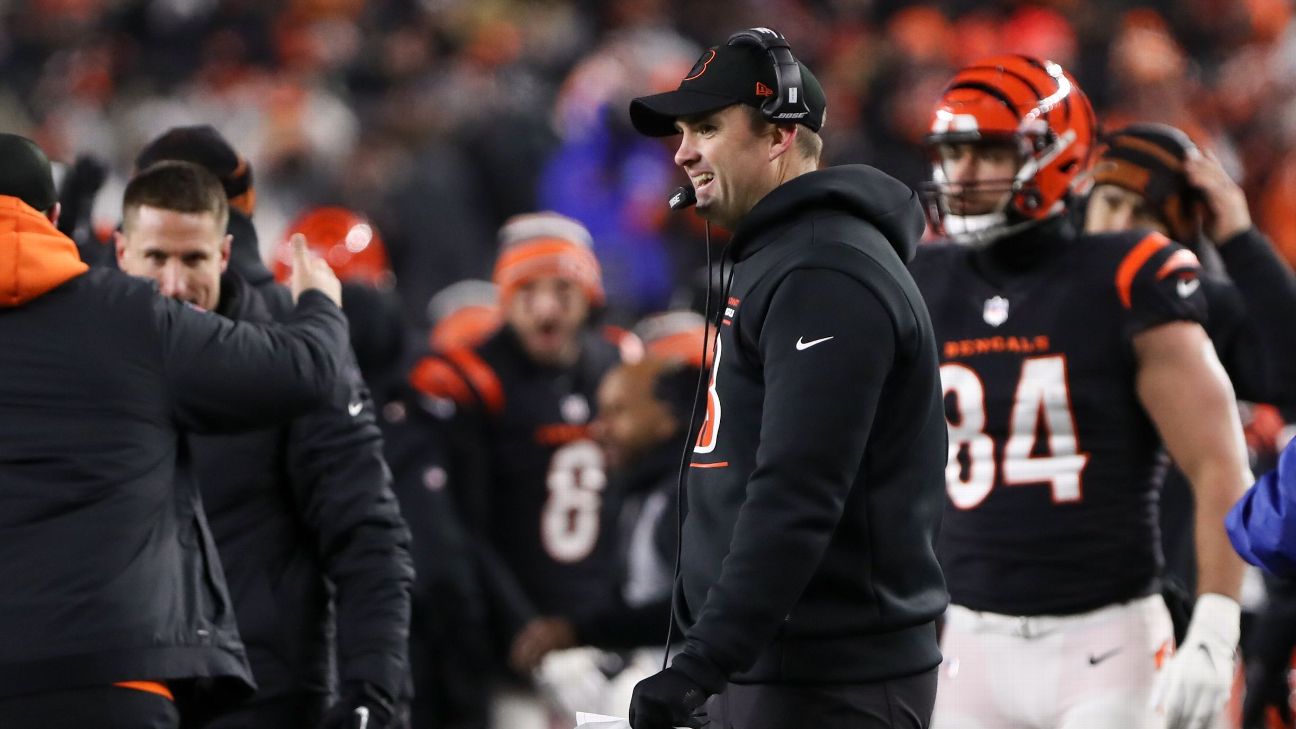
(575, 409)
(995, 311)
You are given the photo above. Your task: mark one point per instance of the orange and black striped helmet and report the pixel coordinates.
(1148, 159)
(1028, 103)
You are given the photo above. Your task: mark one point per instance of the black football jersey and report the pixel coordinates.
(1051, 479)
(526, 472)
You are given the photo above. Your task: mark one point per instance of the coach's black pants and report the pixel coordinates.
(296, 711)
(98, 707)
(902, 703)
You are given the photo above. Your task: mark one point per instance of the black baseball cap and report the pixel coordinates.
(725, 75)
(204, 146)
(25, 172)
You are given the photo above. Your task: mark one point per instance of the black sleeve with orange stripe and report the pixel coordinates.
(1157, 283)
(462, 377)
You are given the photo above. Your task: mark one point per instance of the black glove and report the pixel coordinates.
(77, 193)
(666, 700)
(362, 706)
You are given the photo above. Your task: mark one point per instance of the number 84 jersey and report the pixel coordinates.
(1052, 474)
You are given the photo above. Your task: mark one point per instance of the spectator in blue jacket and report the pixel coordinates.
(1262, 525)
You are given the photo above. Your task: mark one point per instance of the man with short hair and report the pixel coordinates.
(303, 515)
(809, 587)
(115, 612)
(205, 146)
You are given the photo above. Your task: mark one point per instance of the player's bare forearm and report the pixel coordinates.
(1184, 390)
(1219, 569)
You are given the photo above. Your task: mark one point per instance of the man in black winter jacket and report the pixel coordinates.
(113, 599)
(303, 515)
(809, 584)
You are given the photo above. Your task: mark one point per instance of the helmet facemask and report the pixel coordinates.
(1033, 111)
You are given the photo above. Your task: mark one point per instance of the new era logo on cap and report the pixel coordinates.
(763, 90)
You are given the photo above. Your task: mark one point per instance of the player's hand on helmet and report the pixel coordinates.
(666, 700)
(1226, 213)
(312, 272)
(1192, 688)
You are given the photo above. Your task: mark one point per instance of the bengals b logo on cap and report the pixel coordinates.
(723, 76)
(700, 67)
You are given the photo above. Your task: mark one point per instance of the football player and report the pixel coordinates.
(351, 243)
(1068, 361)
(643, 409)
(526, 474)
(1152, 176)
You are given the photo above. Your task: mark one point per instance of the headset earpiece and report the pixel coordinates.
(788, 103)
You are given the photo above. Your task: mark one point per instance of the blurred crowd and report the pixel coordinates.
(439, 119)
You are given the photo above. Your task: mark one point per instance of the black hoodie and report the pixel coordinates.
(817, 484)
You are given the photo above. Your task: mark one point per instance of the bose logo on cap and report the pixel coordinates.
(791, 115)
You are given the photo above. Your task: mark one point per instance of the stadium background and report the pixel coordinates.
(440, 118)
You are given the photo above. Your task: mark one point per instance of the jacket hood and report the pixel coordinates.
(34, 256)
(882, 200)
(245, 250)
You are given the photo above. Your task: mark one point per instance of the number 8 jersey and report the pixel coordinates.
(525, 473)
(1053, 470)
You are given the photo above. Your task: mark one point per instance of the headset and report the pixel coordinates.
(788, 102)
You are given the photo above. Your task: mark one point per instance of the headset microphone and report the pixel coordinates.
(683, 197)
